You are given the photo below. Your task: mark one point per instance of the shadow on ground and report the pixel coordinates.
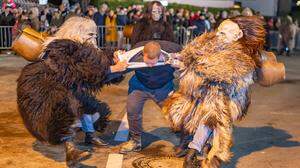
(248, 140)
(162, 133)
(57, 152)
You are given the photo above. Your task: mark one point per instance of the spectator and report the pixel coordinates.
(34, 18)
(48, 14)
(178, 20)
(121, 17)
(63, 11)
(57, 20)
(78, 12)
(270, 24)
(44, 23)
(186, 18)
(199, 26)
(121, 21)
(211, 19)
(207, 24)
(125, 16)
(7, 18)
(234, 13)
(288, 33)
(130, 18)
(111, 29)
(269, 27)
(137, 16)
(99, 17)
(9, 3)
(278, 24)
(22, 21)
(170, 16)
(84, 5)
(223, 16)
(66, 4)
(90, 12)
(193, 17)
(247, 12)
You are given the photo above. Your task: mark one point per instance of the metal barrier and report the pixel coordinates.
(113, 37)
(107, 37)
(181, 35)
(297, 47)
(275, 40)
(5, 37)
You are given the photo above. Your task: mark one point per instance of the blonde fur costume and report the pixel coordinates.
(214, 85)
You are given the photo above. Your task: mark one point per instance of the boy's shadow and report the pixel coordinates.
(253, 139)
(162, 133)
(57, 152)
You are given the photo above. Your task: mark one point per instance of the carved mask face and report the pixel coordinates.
(156, 13)
(91, 35)
(229, 32)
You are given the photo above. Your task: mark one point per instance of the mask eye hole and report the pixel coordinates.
(156, 12)
(93, 35)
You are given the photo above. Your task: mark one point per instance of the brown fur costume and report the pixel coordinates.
(213, 88)
(54, 92)
(146, 28)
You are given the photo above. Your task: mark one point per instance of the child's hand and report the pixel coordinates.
(116, 55)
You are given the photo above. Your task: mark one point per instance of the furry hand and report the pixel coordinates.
(119, 67)
(175, 61)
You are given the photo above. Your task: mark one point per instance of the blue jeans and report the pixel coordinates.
(200, 138)
(135, 104)
(87, 123)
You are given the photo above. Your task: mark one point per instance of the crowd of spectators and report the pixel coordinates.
(45, 18)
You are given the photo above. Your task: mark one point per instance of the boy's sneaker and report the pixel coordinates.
(131, 146)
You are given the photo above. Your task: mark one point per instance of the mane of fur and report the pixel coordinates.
(54, 92)
(144, 30)
(75, 28)
(214, 86)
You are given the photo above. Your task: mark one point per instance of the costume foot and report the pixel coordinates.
(181, 149)
(94, 140)
(180, 152)
(190, 160)
(131, 146)
(75, 155)
(206, 149)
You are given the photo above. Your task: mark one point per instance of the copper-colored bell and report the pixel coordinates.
(271, 71)
(29, 44)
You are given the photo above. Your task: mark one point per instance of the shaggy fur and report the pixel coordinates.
(145, 29)
(54, 92)
(214, 87)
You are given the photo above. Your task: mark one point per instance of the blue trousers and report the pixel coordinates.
(87, 123)
(135, 104)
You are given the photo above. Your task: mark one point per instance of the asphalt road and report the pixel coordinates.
(269, 136)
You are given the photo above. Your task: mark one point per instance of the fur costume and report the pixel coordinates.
(214, 85)
(148, 29)
(54, 92)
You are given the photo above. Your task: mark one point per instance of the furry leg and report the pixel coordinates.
(222, 142)
(175, 109)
